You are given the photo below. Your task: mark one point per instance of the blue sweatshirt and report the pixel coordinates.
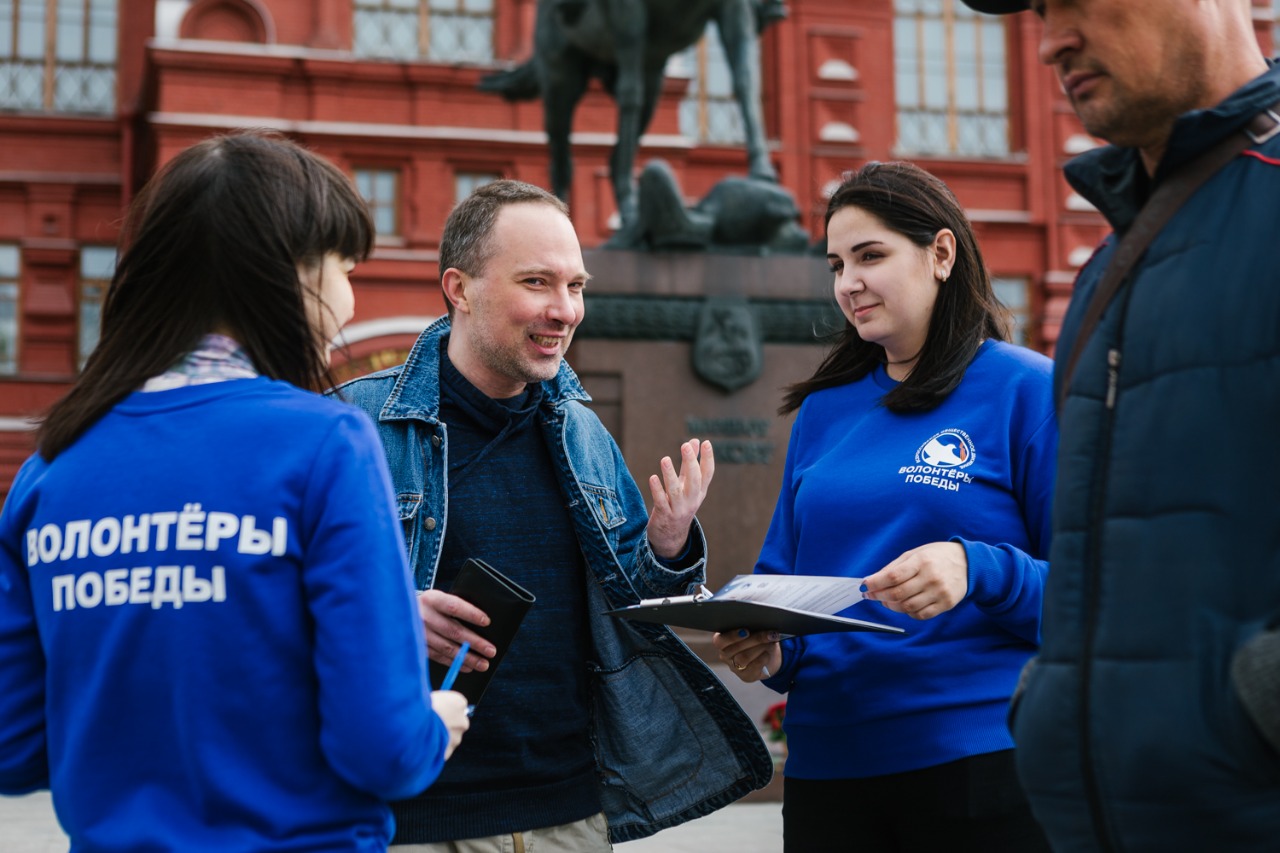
(208, 636)
(861, 486)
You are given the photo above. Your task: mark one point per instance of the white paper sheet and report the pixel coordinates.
(814, 593)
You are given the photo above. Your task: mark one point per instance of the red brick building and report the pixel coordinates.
(94, 94)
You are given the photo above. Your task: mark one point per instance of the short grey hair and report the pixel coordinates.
(465, 244)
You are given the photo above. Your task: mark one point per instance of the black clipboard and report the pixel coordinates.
(704, 612)
(505, 602)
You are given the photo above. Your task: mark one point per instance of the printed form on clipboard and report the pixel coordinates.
(790, 604)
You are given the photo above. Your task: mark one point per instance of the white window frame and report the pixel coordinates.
(935, 43)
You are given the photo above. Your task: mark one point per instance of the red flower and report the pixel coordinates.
(773, 718)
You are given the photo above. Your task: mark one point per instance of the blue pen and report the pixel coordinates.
(455, 667)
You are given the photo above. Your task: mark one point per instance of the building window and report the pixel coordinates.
(465, 183)
(58, 55)
(950, 80)
(97, 265)
(1275, 28)
(381, 191)
(8, 308)
(1014, 294)
(436, 30)
(709, 113)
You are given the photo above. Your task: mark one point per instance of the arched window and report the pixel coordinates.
(58, 56)
(434, 30)
(950, 80)
(709, 113)
(380, 188)
(97, 265)
(1015, 295)
(1275, 28)
(9, 257)
(465, 183)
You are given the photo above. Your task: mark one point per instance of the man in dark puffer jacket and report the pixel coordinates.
(1151, 721)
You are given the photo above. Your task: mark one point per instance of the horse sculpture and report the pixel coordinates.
(626, 45)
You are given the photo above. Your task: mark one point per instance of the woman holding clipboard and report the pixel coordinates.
(921, 459)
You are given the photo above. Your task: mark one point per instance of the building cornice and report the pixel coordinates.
(368, 130)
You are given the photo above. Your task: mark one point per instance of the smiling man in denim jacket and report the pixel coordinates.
(595, 730)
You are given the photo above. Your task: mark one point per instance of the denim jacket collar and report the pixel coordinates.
(416, 395)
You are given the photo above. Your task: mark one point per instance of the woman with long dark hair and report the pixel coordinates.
(208, 635)
(921, 460)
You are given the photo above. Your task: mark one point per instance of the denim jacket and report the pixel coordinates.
(671, 743)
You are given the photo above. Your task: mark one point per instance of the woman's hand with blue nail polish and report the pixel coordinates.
(751, 655)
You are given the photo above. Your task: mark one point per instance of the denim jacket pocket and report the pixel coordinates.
(607, 509)
(646, 749)
(407, 507)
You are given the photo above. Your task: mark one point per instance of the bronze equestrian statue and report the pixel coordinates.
(626, 44)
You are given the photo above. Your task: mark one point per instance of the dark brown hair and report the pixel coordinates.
(214, 241)
(911, 202)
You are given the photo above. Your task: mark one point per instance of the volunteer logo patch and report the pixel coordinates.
(950, 448)
(940, 461)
